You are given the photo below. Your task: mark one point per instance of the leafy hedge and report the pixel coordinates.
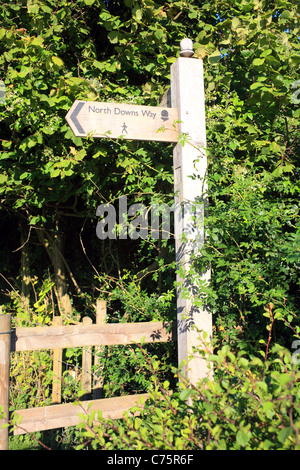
(51, 184)
(253, 403)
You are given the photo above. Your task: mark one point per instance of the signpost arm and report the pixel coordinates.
(190, 164)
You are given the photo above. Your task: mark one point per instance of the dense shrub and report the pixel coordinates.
(252, 403)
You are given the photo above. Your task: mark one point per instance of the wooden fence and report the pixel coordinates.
(57, 338)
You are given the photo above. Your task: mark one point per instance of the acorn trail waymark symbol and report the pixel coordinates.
(164, 115)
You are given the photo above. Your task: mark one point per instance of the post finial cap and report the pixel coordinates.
(186, 47)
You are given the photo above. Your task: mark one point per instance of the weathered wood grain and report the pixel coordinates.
(64, 415)
(55, 337)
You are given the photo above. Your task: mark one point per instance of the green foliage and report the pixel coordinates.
(253, 174)
(128, 302)
(52, 53)
(251, 404)
(50, 178)
(31, 374)
(123, 367)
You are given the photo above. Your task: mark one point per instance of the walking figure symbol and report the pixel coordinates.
(124, 129)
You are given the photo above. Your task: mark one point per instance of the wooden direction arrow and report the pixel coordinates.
(115, 120)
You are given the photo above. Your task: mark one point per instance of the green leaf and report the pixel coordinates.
(235, 23)
(296, 114)
(284, 379)
(242, 437)
(243, 362)
(159, 34)
(284, 434)
(184, 395)
(258, 61)
(113, 36)
(55, 173)
(214, 58)
(268, 408)
(266, 52)
(33, 8)
(37, 41)
(57, 61)
(137, 12)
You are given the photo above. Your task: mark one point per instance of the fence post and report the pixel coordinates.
(5, 325)
(86, 380)
(98, 379)
(57, 367)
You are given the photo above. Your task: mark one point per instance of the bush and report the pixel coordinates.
(252, 403)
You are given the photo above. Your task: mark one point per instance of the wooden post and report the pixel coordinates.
(190, 163)
(5, 324)
(86, 380)
(98, 379)
(57, 367)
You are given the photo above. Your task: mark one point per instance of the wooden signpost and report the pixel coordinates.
(187, 115)
(194, 321)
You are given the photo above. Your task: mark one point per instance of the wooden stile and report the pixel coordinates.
(55, 337)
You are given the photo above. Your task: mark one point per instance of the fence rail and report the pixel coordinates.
(68, 414)
(72, 336)
(57, 338)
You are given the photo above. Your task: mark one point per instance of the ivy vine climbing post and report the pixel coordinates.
(194, 320)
